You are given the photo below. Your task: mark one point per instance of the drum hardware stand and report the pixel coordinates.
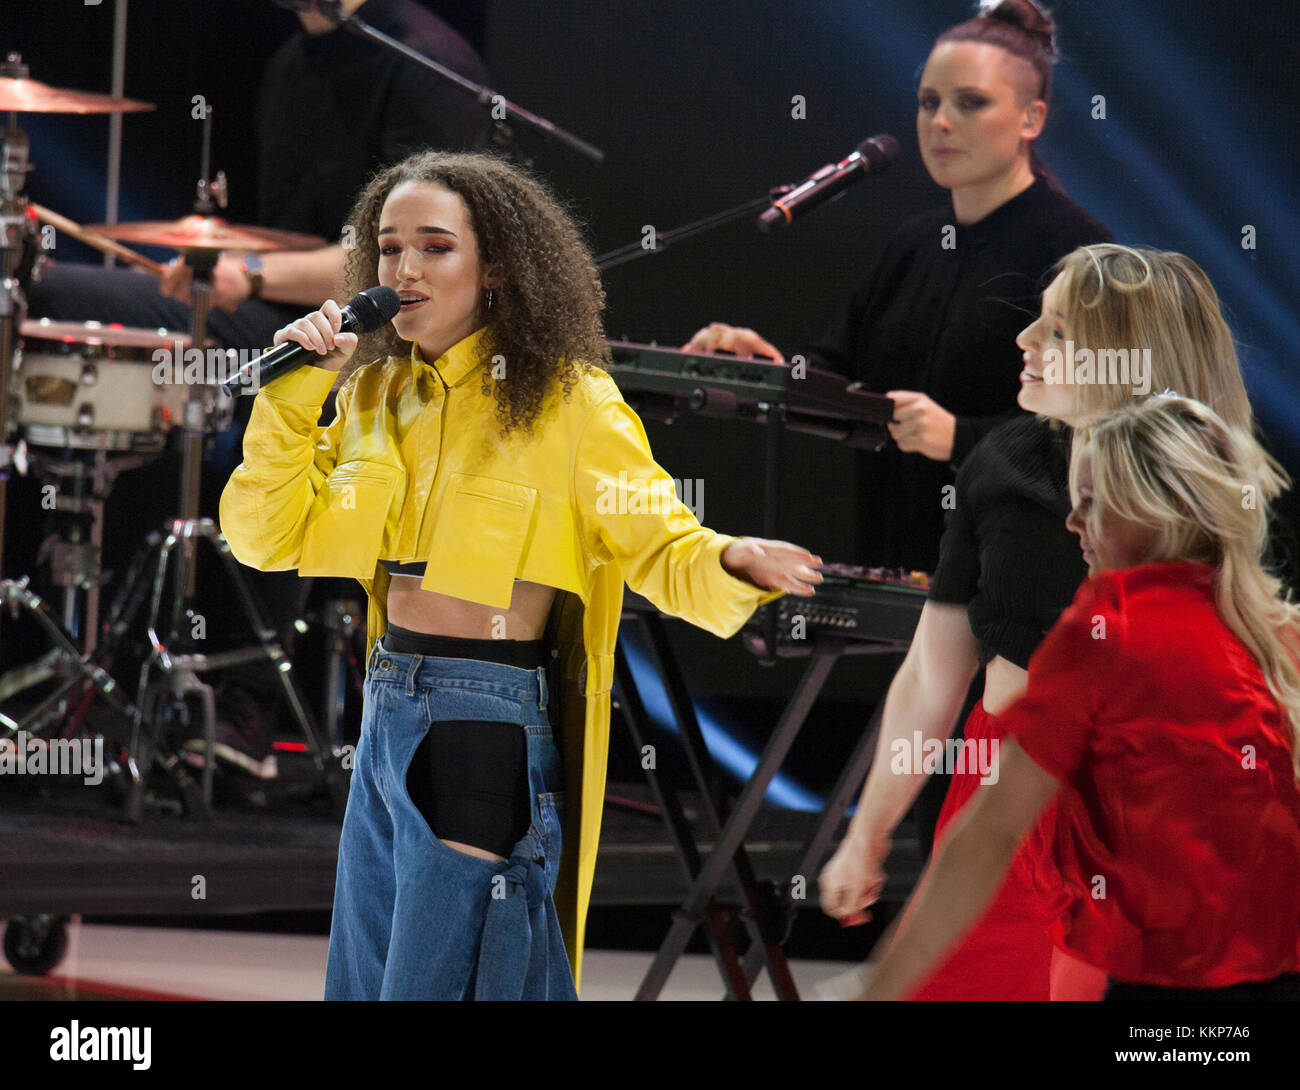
(74, 567)
(75, 564)
(16, 595)
(170, 652)
(19, 258)
(17, 237)
(19, 253)
(341, 628)
(181, 669)
(16, 230)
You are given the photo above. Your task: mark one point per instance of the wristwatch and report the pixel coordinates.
(253, 270)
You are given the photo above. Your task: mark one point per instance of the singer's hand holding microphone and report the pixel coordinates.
(325, 338)
(322, 332)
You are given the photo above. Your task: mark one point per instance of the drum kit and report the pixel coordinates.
(79, 404)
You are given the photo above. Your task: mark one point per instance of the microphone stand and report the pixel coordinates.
(776, 414)
(664, 239)
(776, 417)
(485, 95)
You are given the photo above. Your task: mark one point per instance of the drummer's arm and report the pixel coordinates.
(303, 277)
(308, 277)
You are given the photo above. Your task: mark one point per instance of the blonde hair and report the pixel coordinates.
(1133, 297)
(1172, 464)
(1116, 297)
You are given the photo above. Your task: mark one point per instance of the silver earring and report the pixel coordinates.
(489, 306)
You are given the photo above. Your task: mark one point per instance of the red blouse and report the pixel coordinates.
(1175, 858)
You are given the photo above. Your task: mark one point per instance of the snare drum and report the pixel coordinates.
(92, 386)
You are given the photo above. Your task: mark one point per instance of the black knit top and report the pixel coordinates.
(939, 313)
(1006, 554)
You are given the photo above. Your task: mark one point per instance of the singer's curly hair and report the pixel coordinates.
(545, 315)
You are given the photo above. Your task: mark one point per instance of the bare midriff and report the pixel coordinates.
(1004, 684)
(419, 610)
(411, 607)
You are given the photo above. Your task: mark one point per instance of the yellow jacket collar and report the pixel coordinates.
(456, 364)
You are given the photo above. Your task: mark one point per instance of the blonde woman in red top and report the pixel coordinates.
(1163, 713)
(1008, 569)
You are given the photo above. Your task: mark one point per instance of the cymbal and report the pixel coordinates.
(29, 96)
(207, 233)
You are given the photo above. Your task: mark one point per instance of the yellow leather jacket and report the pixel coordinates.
(413, 468)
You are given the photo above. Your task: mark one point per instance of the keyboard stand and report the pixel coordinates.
(824, 652)
(760, 913)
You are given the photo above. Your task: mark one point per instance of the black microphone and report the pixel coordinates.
(364, 313)
(870, 157)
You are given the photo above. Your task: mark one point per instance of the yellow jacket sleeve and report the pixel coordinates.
(633, 517)
(287, 457)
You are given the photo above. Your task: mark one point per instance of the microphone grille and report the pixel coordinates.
(880, 150)
(373, 307)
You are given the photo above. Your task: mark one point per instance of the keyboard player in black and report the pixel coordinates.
(934, 322)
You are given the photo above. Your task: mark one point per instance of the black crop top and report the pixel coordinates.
(407, 567)
(410, 567)
(1006, 554)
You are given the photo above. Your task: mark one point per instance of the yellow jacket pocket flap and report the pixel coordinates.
(345, 527)
(480, 538)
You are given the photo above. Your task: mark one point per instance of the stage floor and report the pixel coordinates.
(107, 963)
(69, 853)
(72, 853)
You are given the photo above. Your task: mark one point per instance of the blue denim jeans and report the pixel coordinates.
(414, 918)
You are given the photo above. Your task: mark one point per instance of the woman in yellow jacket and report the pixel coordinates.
(492, 491)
